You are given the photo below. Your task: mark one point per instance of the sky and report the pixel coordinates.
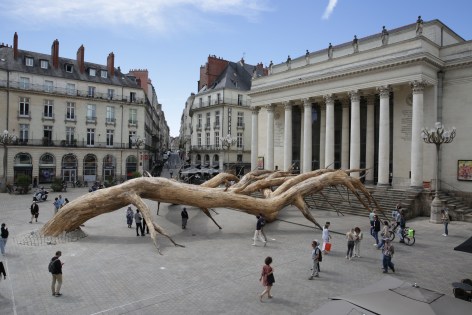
(173, 38)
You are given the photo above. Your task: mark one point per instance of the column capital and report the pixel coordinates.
(255, 110)
(384, 91)
(306, 102)
(270, 108)
(287, 105)
(370, 99)
(328, 98)
(345, 102)
(322, 106)
(418, 86)
(354, 95)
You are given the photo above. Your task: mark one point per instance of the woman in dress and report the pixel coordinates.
(267, 278)
(129, 216)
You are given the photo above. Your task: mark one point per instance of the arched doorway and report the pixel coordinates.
(131, 166)
(69, 168)
(23, 165)
(47, 168)
(90, 168)
(109, 166)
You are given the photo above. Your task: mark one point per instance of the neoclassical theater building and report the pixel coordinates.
(364, 104)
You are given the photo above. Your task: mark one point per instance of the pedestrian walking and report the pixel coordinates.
(184, 216)
(61, 201)
(387, 254)
(34, 211)
(376, 229)
(2, 271)
(371, 220)
(55, 268)
(445, 220)
(139, 223)
(257, 233)
(263, 223)
(357, 242)
(350, 236)
(325, 237)
(57, 205)
(384, 234)
(129, 217)
(4, 237)
(267, 278)
(402, 222)
(316, 258)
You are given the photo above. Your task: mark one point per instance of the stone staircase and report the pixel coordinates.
(458, 210)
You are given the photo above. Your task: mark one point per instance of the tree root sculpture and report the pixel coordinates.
(289, 189)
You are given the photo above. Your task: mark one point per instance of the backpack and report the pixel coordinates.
(262, 222)
(51, 267)
(320, 257)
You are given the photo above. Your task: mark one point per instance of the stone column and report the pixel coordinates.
(416, 140)
(355, 155)
(307, 145)
(384, 136)
(329, 144)
(254, 137)
(270, 137)
(345, 136)
(288, 136)
(302, 127)
(370, 140)
(322, 134)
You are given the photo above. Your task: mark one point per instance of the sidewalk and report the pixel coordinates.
(111, 271)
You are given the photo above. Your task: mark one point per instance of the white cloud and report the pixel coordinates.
(329, 9)
(152, 15)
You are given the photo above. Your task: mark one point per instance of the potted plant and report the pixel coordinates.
(23, 182)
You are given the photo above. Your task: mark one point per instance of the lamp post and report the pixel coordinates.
(226, 143)
(138, 142)
(437, 135)
(5, 139)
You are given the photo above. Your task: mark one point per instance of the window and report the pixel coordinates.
(110, 133)
(44, 64)
(110, 114)
(48, 109)
(92, 72)
(70, 111)
(207, 139)
(24, 83)
(104, 74)
(111, 93)
(217, 139)
(133, 116)
(70, 135)
(199, 125)
(29, 61)
(239, 140)
(239, 158)
(209, 100)
(91, 112)
(48, 86)
(240, 99)
(132, 96)
(24, 107)
(69, 68)
(91, 91)
(199, 139)
(217, 119)
(24, 133)
(90, 136)
(200, 102)
(70, 88)
(208, 116)
(240, 122)
(131, 136)
(90, 165)
(47, 135)
(218, 98)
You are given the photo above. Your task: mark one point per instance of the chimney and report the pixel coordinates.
(111, 64)
(55, 53)
(80, 58)
(15, 45)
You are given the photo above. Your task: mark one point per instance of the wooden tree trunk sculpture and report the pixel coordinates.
(289, 189)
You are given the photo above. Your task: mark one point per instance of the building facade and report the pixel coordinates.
(364, 104)
(76, 120)
(215, 128)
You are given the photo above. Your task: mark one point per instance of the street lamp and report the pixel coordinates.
(226, 143)
(5, 139)
(437, 135)
(138, 142)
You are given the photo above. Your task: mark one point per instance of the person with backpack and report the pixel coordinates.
(316, 258)
(257, 233)
(55, 268)
(3, 238)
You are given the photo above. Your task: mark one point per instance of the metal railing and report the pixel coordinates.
(44, 142)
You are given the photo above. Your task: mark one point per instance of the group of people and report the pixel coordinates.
(58, 203)
(141, 224)
(354, 238)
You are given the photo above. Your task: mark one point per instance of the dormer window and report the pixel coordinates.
(104, 74)
(69, 67)
(92, 72)
(44, 64)
(29, 61)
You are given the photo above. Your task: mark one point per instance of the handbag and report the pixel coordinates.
(327, 247)
(270, 278)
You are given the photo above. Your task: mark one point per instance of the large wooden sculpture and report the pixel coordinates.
(216, 192)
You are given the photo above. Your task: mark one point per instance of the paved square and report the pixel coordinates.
(112, 271)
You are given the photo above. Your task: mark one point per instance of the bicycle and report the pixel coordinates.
(408, 236)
